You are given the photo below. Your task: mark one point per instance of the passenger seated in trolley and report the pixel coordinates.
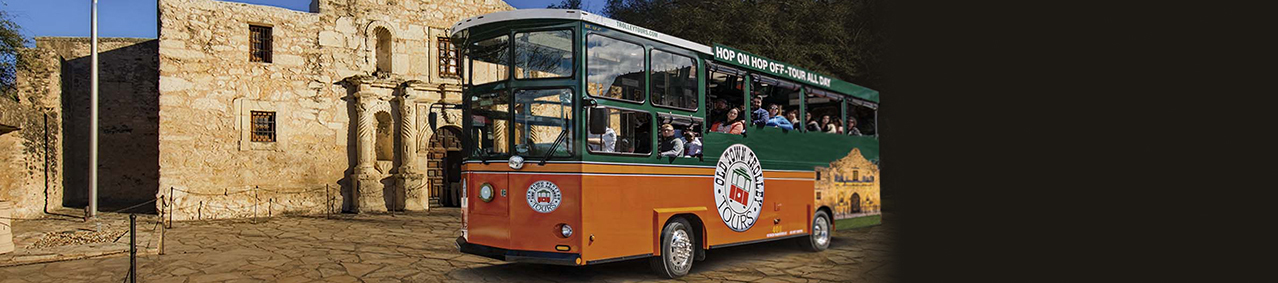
(777, 120)
(734, 124)
(760, 115)
(720, 110)
(851, 128)
(670, 145)
(606, 142)
(693, 144)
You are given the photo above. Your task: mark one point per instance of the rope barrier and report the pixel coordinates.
(132, 207)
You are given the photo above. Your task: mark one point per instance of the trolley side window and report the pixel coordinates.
(673, 80)
(864, 115)
(489, 60)
(614, 68)
(619, 131)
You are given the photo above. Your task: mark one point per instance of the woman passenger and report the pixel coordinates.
(735, 124)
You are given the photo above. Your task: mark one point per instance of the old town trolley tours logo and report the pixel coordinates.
(544, 196)
(738, 187)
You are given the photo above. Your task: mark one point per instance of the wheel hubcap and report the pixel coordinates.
(821, 231)
(681, 249)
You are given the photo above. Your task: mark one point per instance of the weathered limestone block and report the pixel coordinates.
(414, 190)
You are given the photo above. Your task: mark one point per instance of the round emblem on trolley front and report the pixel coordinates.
(544, 196)
(738, 187)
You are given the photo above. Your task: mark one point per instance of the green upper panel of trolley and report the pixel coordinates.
(719, 53)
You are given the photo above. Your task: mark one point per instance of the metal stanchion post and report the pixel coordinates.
(255, 204)
(163, 208)
(171, 205)
(133, 248)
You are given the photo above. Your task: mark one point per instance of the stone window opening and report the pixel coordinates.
(384, 145)
(263, 126)
(447, 58)
(383, 49)
(259, 43)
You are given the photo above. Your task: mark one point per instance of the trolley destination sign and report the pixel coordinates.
(724, 53)
(783, 70)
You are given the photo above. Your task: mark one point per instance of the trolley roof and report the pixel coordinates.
(721, 53)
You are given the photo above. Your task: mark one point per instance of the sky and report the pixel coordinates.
(136, 18)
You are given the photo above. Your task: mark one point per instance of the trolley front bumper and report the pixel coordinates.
(517, 255)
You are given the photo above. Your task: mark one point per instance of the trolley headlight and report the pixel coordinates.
(565, 230)
(516, 162)
(486, 192)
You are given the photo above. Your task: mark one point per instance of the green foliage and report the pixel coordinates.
(566, 4)
(845, 39)
(11, 45)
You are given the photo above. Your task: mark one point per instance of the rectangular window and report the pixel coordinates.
(263, 126)
(674, 80)
(489, 120)
(614, 68)
(259, 44)
(543, 54)
(543, 122)
(620, 131)
(447, 58)
(724, 91)
(686, 128)
(823, 104)
(864, 115)
(777, 97)
(489, 60)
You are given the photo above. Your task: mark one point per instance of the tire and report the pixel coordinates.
(819, 239)
(678, 249)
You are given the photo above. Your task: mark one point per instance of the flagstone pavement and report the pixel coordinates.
(419, 247)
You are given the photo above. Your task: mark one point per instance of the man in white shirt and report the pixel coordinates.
(608, 139)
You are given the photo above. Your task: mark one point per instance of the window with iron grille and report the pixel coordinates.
(263, 126)
(447, 58)
(259, 43)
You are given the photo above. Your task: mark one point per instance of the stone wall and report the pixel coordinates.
(208, 87)
(128, 108)
(30, 136)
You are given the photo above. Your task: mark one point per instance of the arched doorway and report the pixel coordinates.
(445, 159)
(855, 202)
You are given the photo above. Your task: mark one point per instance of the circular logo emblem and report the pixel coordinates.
(738, 187)
(544, 196)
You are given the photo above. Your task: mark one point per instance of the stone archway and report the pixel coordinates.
(855, 202)
(444, 156)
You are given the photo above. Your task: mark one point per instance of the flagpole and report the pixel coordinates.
(93, 123)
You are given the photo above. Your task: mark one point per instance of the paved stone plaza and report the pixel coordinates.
(418, 247)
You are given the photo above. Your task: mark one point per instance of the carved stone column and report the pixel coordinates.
(368, 195)
(409, 177)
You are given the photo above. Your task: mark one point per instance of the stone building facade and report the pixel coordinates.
(258, 110)
(850, 186)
